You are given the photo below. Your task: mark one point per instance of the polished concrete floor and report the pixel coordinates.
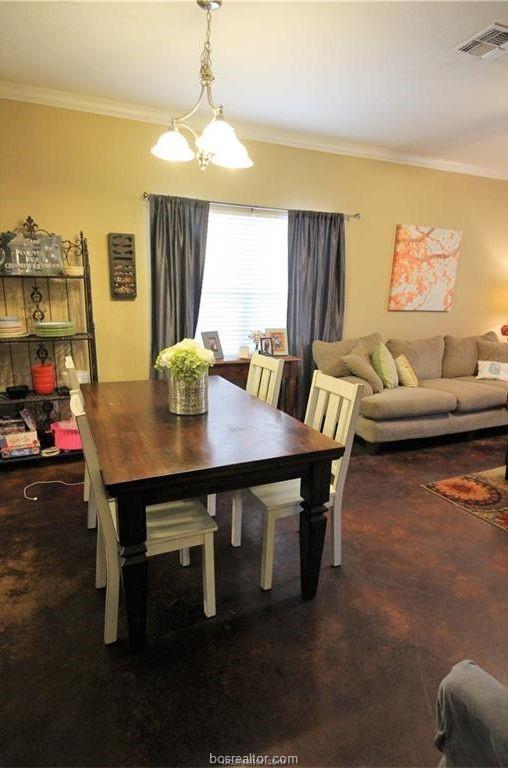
(348, 679)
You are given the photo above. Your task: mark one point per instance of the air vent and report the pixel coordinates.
(489, 43)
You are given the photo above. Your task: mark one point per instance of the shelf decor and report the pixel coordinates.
(187, 363)
(47, 307)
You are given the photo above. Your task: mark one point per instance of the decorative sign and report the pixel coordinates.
(424, 268)
(122, 265)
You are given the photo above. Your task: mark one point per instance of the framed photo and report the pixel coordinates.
(279, 338)
(211, 341)
(266, 345)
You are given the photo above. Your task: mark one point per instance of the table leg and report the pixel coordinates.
(134, 565)
(290, 391)
(315, 491)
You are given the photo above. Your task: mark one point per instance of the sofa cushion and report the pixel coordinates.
(425, 355)
(359, 363)
(493, 350)
(471, 396)
(403, 402)
(328, 354)
(499, 383)
(384, 365)
(461, 354)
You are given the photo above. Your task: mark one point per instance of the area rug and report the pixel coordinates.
(483, 494)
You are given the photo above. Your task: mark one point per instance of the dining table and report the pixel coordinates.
(148, 455)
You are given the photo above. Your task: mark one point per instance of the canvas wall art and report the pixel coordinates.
(424, 268)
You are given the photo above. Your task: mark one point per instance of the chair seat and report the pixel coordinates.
(178, 518)
(284, 494)
(175, 519)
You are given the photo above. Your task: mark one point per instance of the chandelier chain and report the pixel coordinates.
(206, 57)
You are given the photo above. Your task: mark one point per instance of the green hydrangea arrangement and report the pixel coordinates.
(186, 361)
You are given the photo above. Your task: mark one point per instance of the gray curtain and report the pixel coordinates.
(178, 229)
(315, 287)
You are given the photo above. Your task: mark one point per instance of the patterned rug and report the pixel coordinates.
(484, 494)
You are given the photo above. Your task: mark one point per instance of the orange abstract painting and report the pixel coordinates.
(424, 268)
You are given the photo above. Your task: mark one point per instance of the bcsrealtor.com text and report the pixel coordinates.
(253, 759)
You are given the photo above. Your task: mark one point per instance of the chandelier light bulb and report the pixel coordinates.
(217, 137)
(235, 156)
(171, 145)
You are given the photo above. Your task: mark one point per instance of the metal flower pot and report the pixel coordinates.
(188, 398)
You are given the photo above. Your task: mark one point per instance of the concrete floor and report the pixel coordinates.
(348, 679)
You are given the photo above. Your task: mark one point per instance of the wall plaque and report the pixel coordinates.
(122, 265)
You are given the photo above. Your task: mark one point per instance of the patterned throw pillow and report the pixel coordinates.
(384, 365)
(490, 369)
(407, 376)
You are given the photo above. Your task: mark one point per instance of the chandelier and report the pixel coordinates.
(218, 143)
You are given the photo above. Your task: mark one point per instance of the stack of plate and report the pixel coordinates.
(10, 327)
(48, 330)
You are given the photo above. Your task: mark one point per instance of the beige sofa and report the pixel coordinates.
(448, 398)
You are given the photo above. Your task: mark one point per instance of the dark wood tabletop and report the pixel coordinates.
(139, 442)
(148, 455)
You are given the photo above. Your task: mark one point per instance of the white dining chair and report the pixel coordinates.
(172, 526)
(332, 409)
(91, 515)
(264, 381)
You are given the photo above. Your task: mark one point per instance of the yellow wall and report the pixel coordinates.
(74, 170)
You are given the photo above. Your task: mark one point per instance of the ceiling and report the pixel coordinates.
(360, 77)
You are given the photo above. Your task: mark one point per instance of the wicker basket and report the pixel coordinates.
(188, 398)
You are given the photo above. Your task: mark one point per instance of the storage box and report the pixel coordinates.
(66, 435)
(19, 444)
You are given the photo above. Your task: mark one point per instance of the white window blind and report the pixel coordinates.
(245, 282)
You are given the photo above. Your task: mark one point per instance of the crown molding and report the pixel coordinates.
(144, 114)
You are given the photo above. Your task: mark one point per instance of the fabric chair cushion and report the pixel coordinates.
(493, 350)
(328, 355)
(404, 402)
(425, 355)
(358, 362)
(384, 365)
(407, 376)
(470, 396)
(499, 383)
(461, 354)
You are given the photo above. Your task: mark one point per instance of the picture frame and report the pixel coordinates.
(266, 345)
(211, 341)
(279, 338)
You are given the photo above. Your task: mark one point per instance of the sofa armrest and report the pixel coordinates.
(366, 389)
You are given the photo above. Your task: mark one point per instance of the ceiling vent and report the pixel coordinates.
(489, 43)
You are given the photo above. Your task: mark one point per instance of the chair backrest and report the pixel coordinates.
(265, 378)
(71, 373)
(92, 464)
(332, 409)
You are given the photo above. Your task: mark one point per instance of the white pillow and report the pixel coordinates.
(489, 369)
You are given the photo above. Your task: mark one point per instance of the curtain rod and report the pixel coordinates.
(357, 216)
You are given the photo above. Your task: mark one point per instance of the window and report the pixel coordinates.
(245, 283)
